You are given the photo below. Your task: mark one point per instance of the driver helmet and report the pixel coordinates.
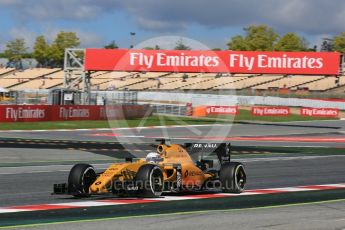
(153, 157)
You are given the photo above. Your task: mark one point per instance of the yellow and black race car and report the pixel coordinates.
(170, 168)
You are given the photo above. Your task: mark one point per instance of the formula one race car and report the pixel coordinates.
(169, 169)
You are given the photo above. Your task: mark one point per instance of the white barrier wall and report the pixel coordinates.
(226, 100)
(210, 99)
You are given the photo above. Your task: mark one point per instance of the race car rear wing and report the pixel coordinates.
(222, 150)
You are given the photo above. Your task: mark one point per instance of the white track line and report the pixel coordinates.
(106, 129)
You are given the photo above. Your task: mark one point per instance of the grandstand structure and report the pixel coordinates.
(45, 78)
(74, 77)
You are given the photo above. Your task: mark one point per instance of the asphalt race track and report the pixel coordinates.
(30, 166)
(310, 216)
(33, 184)
(291, 134)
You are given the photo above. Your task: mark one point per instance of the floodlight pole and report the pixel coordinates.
(132, 34)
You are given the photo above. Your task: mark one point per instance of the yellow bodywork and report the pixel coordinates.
(173, 154)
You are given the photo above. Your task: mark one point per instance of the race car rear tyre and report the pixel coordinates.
(80, 179)
(232, 177)
(149, 180)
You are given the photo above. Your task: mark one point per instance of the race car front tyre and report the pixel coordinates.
(232, 177)
(80, 179)
(149, 180)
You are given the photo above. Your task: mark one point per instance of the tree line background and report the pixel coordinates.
(255, 38)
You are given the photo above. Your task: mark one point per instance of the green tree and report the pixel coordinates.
(339, 42)
(62, 41)
(237, 43)
(152, 48)
(54, 56)
(111, 45)
(291, 42)
(15, 50)
(260, 37)
(41, 50)
(181, 46)
(257, 37)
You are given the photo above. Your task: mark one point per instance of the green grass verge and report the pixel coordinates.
(149, 121)
(244, 115)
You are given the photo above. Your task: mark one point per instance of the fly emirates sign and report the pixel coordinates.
(213, 61)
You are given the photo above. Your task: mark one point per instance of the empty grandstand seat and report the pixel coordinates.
(288, 82)
(45, 78)
(5, 71)
(248, 82)
(325, 83)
